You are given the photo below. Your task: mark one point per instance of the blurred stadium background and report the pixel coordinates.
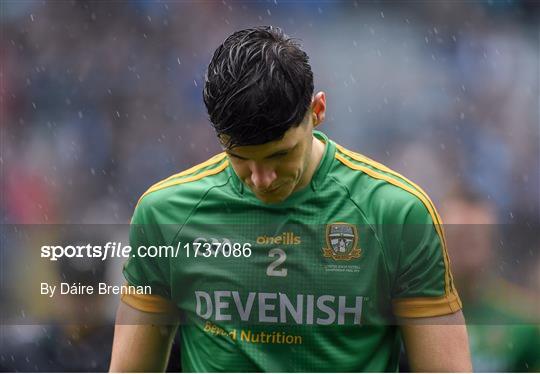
(99, 100)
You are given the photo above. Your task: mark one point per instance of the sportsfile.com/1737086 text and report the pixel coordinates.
(198, 248)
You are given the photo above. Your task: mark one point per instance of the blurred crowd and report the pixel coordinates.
(99, 100)
(102, 99)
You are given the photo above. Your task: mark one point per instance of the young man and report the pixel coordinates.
(337, 256)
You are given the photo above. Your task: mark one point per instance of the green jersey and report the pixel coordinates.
(313, 283)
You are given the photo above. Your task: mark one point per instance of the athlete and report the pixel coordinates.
(310, 257)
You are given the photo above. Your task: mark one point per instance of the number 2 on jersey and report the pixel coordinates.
(271, 269)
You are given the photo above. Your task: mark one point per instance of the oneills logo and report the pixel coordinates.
(286, 238)
(341, 242)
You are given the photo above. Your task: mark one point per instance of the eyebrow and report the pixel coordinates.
(276, 153)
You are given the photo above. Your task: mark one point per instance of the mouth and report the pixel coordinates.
(270, 191)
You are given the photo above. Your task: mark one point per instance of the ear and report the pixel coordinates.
(318, 108)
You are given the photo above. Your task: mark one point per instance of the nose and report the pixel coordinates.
(262, 177)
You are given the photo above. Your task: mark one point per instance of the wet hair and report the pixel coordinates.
(258, 85)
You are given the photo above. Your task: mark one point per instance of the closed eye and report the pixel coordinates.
(278, 155)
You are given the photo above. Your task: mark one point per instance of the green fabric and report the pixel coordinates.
(326, 314)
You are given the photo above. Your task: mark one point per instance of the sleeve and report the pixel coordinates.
(147, 271)
(423, 285)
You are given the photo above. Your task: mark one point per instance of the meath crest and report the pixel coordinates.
(341, 241)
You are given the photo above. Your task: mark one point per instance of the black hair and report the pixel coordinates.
(258, 85)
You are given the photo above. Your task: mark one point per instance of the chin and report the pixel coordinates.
(271, 199)
(284, 192)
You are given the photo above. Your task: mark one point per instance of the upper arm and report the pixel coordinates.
(145, 324)
(437, 344)
(425, 301)
(142, 340)
(423, 285)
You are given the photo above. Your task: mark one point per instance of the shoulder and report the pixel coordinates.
(174, 195)
(382, 192)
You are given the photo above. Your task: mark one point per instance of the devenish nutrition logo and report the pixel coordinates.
(286, 238)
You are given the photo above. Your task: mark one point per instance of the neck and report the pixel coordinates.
(317, 153)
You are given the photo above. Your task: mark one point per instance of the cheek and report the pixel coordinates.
(291, 169)
(241, 171)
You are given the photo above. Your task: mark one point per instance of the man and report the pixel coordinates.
(294, 301)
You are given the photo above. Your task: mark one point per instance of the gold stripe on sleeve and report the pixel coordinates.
(422, 197)
(377, 165)
(213, 160)
(161, 186)
(426, 306)
(148, 303)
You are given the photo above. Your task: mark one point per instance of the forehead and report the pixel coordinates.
(290, 139)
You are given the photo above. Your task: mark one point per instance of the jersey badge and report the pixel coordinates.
(341, 242)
